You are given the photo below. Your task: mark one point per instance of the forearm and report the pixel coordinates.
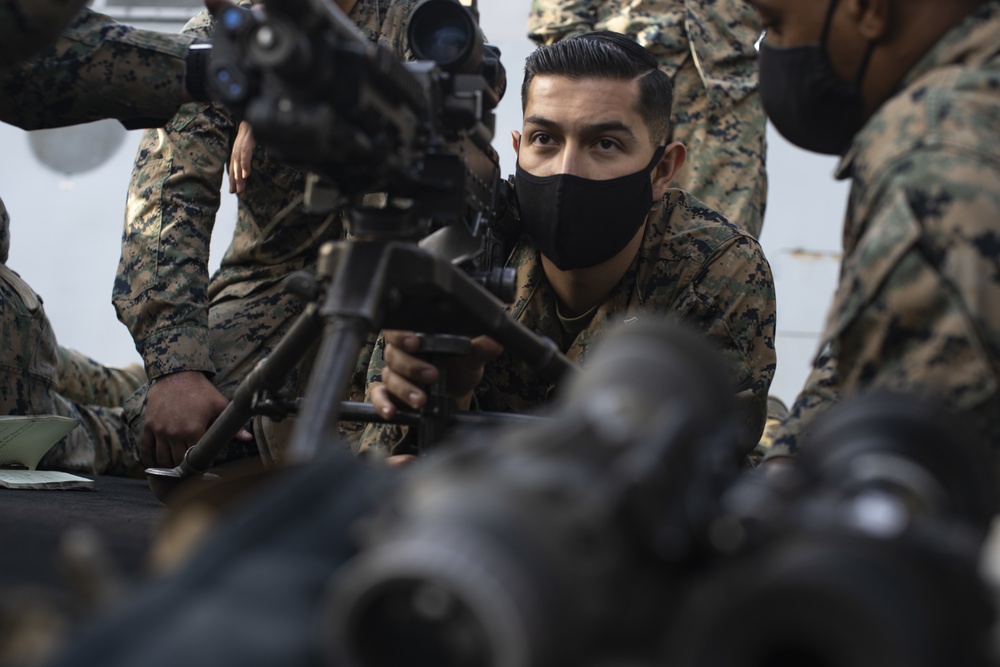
(736, 309)
(97, 69)
(161, 293)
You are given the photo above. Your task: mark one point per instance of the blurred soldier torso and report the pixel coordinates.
(918, 305)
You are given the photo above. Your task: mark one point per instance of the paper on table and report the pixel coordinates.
(24, 440)
(44, 479)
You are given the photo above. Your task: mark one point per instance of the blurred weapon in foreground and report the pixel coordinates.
(621, 532)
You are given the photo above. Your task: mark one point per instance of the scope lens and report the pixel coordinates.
(447, 43)
(445, 32)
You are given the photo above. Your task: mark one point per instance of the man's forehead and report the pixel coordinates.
(588, 104)
(604, 92)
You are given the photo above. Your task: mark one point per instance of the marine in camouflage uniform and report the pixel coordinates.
(180, 319)
(917, 308)
(707, 48)
(693, 265)
(97, 69)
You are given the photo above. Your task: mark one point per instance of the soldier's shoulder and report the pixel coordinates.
(686, 227)
(955, 108)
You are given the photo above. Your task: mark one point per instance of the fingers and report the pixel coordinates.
(398, 460)
(404, 340)
(233, 179)
(241, 158)
(147, 448)
(403, 389)
(401, 361)
(159, 450)
(485, 349)
(382, 400)
(175, 451)
(404, 375)
(179, 409)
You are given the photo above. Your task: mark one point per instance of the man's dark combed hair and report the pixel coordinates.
(607, 56)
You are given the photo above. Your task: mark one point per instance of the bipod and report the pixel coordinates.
(372, 285)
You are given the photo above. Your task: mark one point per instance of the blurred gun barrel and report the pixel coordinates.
(872, 562)
(504, 553)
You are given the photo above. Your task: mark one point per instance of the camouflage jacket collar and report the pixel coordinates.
(972, 43)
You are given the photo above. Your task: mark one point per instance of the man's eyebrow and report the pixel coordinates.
(593, 128)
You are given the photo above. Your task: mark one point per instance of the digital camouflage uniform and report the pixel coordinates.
(707, 48)
(917, 308)
(182, 320)
(97, 69)
(693, 265)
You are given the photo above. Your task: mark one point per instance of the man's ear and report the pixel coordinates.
(666, 169)
(515, 141)
(872, 17)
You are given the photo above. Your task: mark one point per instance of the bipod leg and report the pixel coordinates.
(353, 308)
(338, 354)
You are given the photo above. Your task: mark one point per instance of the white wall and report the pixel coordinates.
(66, 228)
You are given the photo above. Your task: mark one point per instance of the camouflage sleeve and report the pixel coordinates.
(161, 289)
(732, 302)
(819, 393)
(98, 69)
(718, 114)
(553, 20)
(722, 34)
(27, 26)
(915, 310)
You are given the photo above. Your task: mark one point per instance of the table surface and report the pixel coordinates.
(122, 512)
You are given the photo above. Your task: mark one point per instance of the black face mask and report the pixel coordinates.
(579, 222)
(805, 100)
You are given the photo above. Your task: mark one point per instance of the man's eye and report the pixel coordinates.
(607, 144)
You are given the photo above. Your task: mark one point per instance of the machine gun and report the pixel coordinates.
(322, 97)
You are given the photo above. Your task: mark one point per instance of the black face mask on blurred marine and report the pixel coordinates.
(805, 100)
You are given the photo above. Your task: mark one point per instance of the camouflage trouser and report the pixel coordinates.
(244, 330)
(726, 146)
(38, 377)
